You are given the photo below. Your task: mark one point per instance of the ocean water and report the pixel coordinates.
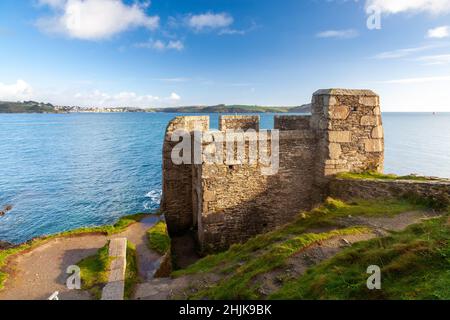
(72, 170)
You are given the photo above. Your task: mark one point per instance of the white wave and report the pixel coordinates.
(155, 199)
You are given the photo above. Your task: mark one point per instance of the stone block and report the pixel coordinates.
(369, 101)
(377, 111)
(373, 145)
(339, 112)
(334, 150)
(340, 136)
(329, 101)
(209, 196)
(118, 247)
(369, 120)
(117, 274)
(377, 132)
(115, 288)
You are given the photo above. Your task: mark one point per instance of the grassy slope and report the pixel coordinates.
(118, 227)
(158, 238)
(243, 262)
(415, 264)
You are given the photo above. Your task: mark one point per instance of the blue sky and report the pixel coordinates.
(184, 52)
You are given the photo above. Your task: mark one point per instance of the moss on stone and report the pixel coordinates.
(381, 176)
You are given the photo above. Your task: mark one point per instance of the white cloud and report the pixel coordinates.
(161, 45)
(439, 32)
(16, 92)
(209, 21)
(174, 97)
(435, 59)
(98, 98)
(399, 6)
(401, 53)
(338, 34)
(176, 45)
(418, 80)
(241, 32)
(95, 19)
(21, 91)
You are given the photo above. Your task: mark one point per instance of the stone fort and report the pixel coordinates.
(225, 204)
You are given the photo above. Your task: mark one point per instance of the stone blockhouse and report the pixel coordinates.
(229, 202)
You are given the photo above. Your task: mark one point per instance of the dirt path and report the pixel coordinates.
(147, 259)
(37, 274)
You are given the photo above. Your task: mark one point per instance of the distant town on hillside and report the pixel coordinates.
(39, 107)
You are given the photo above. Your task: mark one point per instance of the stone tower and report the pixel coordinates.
(228, 203)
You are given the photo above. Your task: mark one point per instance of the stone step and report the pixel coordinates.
(115, 288)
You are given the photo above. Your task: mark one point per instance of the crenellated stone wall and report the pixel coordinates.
(229, 202)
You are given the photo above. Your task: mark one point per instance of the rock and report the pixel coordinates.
(6, 209)
(5, 245)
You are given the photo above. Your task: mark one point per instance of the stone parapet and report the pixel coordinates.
(348, 189)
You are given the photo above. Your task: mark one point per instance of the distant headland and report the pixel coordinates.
(39, 107)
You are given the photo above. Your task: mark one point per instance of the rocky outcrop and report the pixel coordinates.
(6, 209)
(5, 245)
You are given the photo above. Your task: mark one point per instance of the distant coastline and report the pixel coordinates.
(38, 107)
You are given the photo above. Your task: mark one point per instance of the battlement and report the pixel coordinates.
(238, 123)
(228, 202)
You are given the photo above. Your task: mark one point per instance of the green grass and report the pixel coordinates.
(382, 176)
(243, 262)
(158, 238)
(118, 227)
(95, 271)
(415, 264)
(131, 273)
(239, 284)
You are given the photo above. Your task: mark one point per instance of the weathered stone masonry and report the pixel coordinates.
(229, 203)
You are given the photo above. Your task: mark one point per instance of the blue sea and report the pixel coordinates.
(66, 171)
